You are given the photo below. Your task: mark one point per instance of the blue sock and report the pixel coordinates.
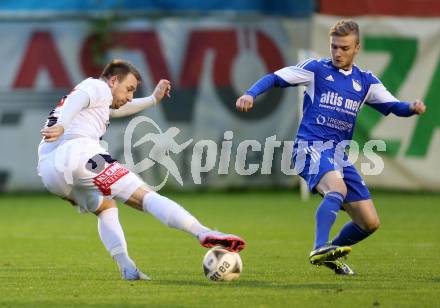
(326, 216)
(349, 235)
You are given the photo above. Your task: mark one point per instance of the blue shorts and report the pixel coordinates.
(312, 172)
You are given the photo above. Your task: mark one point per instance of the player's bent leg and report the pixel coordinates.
(333, 188)
(94, 181)
(112, 236)
(173, 215)
(167, 211)
(364, 222)
(125, 186)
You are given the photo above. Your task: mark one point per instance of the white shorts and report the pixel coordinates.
(80, 170)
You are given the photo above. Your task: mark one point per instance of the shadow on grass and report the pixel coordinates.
(258, 284)
(70, 303)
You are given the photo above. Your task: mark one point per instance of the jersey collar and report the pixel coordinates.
(340, 70)
(346, 73)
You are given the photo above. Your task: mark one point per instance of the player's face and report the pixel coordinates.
(343, 50)
(122, 90)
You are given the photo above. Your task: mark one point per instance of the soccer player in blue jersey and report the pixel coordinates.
(335, 91)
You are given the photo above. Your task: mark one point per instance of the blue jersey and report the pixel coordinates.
(333, 98)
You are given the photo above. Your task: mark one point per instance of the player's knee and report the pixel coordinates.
(372, 225)
(136, 199)
(105, 205)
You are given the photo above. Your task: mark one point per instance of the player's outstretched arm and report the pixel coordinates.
(161, 90)
(403, 109)
(383, 101)
(245, 102)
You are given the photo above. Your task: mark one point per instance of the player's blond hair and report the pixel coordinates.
(344, 28)
(120, 69)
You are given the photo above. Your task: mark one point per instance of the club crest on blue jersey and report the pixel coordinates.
(357, 85)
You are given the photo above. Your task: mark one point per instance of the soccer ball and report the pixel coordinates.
(220, 264)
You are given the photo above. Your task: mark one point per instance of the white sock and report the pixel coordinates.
(171, 214)
(112, 236)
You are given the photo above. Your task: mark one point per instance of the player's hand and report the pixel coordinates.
(52, 133)
(244, 103)
(418, 107)
(162, 89)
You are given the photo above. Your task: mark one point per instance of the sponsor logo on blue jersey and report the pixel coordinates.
(334, 123)
(331, 100)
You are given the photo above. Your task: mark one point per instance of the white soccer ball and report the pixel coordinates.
(220, 264)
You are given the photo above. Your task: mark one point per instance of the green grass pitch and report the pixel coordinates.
(52, 256)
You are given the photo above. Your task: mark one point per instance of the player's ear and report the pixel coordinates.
(357, 48)
(112, 81)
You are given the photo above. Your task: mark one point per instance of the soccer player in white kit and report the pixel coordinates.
(74, 166)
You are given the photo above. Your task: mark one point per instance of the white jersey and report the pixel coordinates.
(91, 122)
(76, 167)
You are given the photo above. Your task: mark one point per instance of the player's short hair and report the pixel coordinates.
(344, 28)
(120, 69)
